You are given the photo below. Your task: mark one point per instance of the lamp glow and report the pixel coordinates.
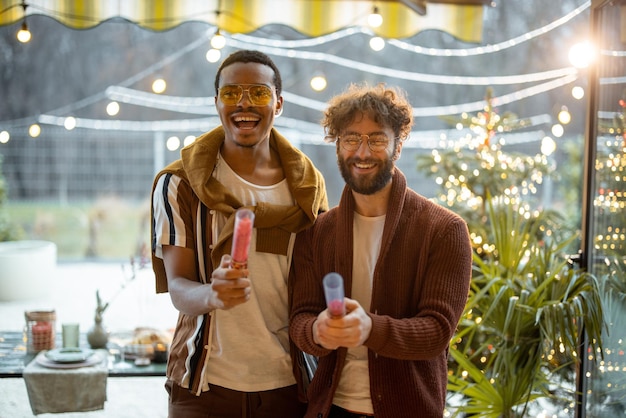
(578, 92)
(375, 19)
(34, 130)
(564, 116)
(23, 35)
(557, 130)
(173, 143)
(582, 54)
(218, 41)
(4, 137)
(189, 139)
(159, 85)
(377, 43)
(213, 55)
(548, 146)
(69, 123)
(113, 108)
(318, 83)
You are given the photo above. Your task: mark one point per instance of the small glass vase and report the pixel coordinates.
(98, 336)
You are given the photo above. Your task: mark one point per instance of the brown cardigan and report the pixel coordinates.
(420, 287)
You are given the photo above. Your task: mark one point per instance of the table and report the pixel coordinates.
(53, 390)
(14, 358)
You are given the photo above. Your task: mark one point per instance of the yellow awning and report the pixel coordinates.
(310, 17)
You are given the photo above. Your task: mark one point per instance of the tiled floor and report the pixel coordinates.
(72, 294)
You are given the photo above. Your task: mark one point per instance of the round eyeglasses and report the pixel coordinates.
(352, 142)
(259, 94)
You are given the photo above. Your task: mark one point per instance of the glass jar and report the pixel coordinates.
(40, 330)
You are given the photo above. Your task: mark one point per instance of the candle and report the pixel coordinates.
(41, 332)
(333, 291)
(244, 220)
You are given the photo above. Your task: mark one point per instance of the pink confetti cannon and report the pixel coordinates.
(334, 293)
(244, 220)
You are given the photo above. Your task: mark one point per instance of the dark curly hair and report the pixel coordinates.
(387, 106)
(246, 56)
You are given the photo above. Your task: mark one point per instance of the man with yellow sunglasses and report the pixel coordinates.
(230, 355)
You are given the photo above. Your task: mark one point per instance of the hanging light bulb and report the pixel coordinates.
(34, 130)
(564, 115)
(213, 55)
(159, 85)
(318, 82)
(23, 35)
(375, 19)
(218, 41)
(377, 43)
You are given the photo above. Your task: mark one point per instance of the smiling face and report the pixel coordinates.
(365, 171)
(245, 124)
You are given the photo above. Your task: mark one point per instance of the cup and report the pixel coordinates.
(71, 334)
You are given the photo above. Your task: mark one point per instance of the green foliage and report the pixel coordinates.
(526, 309)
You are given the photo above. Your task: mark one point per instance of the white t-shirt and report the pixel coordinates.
(353, 391)
(250, 342)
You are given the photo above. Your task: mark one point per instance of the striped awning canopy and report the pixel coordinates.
(401, 18)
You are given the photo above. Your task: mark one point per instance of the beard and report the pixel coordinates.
(366, 185)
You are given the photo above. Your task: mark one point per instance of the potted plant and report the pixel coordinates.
(520, 332)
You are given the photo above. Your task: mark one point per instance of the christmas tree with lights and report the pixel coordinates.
(517, 342)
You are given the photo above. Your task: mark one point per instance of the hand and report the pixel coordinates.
(351, 330)
(229, 287)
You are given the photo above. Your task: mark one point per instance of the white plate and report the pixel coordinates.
(68, 355)
(42, 360)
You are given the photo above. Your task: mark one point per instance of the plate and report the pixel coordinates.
(43, 360)
(68, 355)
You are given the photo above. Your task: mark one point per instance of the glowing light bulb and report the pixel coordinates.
(377, 43)
(557, 130)
(159, 85)
(34, 130)
(582, 54)
(375, 19)
(173, 143)
(548, 146)
(578, 92)
(564, 116)
(69, 123)
(318, 83)
(23, 35)
(113, 108)
(218, 41)
(213, 55)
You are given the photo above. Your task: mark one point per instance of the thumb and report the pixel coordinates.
(225, 261)
(351, 304)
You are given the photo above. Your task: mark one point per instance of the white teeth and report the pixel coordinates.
(361, 165)
(245, 119)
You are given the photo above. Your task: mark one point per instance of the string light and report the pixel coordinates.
(582, 54)
(377, 43)
(24, 35)
(159, 85)
(218, 41)
(213, 55)
(34, 130)
(375, 19)
(318, 82)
